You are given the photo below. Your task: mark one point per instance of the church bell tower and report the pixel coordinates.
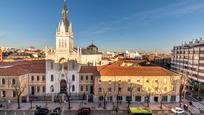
(64, 34)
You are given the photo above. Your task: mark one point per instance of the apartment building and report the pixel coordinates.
(188, 59)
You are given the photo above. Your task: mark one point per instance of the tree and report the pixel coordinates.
(130, 89)
(184, 82)
(19, 87)
(104, 98)
(117, 96)
(160, 87)
(147, 91)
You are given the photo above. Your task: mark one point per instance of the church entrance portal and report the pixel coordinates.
(63, 86)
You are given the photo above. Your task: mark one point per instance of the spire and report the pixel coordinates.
(65, 5)
(65, 16)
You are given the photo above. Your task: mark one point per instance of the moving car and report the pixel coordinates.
(139, 111)
(84, 110)
(56, 111)
(41, 111)
(178, 111)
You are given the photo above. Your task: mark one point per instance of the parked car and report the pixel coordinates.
(1, 105)
(198, 98)
(84, 110)
(178, 111)
(56, 111)
(41, 111)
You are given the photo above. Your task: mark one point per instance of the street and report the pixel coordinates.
(99, 112)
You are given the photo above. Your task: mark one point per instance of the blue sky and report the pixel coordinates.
(145, 25)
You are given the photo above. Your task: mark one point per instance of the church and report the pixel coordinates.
(63, 63)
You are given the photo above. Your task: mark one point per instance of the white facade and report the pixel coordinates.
(64, 62)
(58, 72)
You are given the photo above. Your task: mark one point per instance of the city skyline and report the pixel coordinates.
(141, 25)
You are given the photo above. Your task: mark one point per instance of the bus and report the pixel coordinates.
(139, 111)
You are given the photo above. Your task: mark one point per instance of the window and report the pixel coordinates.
(138, 98)
(99, 81)
(156, 81)
(109, 89)
(87, 88)
(51, 88)
(38, 78)
(3, 93)
(87, 77)
(110, 98)
(38, 89)
(164, 98)
(129, 89)
(138, 89)
(119, 89)
(14, 93)
(32, 90)
(73, 88)
(82, 77)
(3, 81)
(62, 75)
(128, 98)
(43, 88)
(52, 78)
(119, 98)
(13, 81)
(99, 89)
(32, 78)
(92, 77)
(173, 98)
(43, 78)
(100, 98)
(147, 81)
(82, 88)
(156, 99)
(73, 78)
(138, 80)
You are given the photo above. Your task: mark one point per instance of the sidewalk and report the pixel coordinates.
(94, 106)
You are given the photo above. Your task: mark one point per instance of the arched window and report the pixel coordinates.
(52, 78)
(99, 89)
(73, 78)
(3, 81)
(73, 88)
(51, 88)
(62, 43)
(65, 44)
(13, 81)
(59, 43)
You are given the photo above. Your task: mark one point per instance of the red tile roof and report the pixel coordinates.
(21, 68)
(112, 70)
